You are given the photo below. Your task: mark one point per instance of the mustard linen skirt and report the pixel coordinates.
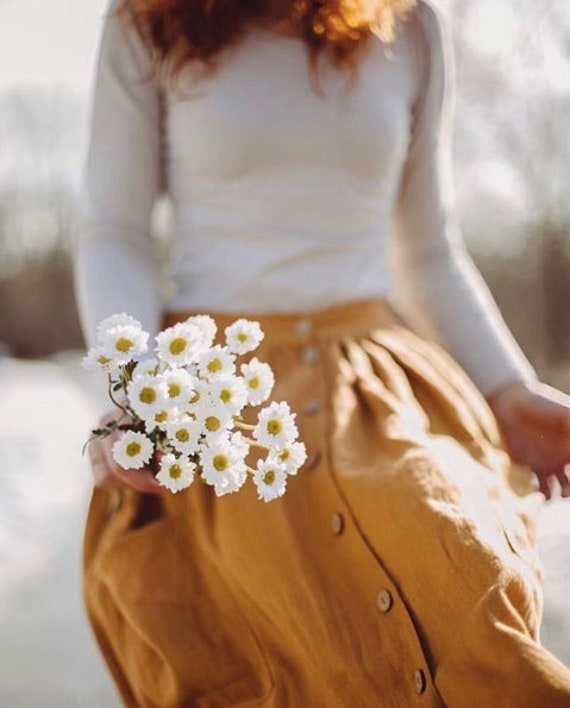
(398, 569)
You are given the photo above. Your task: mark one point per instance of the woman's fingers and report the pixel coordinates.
(99, 467)
(544, 484)
(564, 480)
(108, 474)
(141, 480)
(546, 480)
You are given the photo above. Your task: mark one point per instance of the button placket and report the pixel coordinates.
(387, 600)
(309, 356)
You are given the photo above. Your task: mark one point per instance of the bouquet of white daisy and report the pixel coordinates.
(180, 407)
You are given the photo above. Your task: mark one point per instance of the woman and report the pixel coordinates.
(399, 566)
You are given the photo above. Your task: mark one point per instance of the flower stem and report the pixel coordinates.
(254, 443)
(103, 432)
(113, 399)
(244, 426)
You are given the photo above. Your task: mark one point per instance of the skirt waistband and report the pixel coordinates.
(346, 319)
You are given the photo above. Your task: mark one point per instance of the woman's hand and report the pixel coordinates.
(108, 474)
(535, 421)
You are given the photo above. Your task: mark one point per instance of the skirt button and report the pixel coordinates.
(337, 524)
(420, 681)
(313, 406)
(310, 355)
(384, 601)
(304, 327)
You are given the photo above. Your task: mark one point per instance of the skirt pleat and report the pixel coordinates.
(398, 569)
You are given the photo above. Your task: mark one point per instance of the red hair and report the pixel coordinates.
(188, 30)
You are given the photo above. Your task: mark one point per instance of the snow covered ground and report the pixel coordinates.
(47, 656)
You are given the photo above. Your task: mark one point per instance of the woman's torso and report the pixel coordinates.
(283, 195)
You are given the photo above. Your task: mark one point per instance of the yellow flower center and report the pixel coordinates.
(175, 471)
(284, 455)
(147, 395)
(225, 395)
(174, 390)
(182, 435)
(102, 360)
(195, 398)
(214, 366)
(178, 345)
(242, 337)
(254, 382)
(274, 426)
(220, 462)
(124, 345)
(161, 417)
(133, 449)
(269, 477)
(212, 423)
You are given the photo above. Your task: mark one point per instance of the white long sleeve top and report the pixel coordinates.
(285, 199)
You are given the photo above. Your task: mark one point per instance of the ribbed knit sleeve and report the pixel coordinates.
(115, 262)
(437, 287)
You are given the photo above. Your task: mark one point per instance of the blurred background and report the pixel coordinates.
(512, 164)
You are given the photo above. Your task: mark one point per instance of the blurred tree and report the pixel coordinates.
(40, 164)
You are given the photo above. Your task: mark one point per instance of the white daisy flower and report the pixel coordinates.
(214, 417)
(270, 479)
(243, 336)
(121, 320)
(240, 443)
(180, 386)
(133, 450)
(199, 396)
(192, 369)
(123, 343)
(223, 466)
(180, 344)
(259, 380)
(149, 366)
(276, 426)
(147, 395)
(207, 328)
(230, 391)
(96, 360)
(292, 457)
(185, 435)
(176, 473)
(217, 361)
(161, 418)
